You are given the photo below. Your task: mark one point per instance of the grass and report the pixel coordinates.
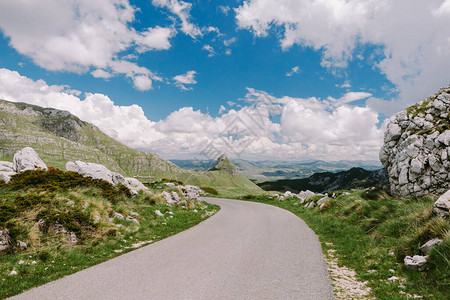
(30, 214)
(366, 226)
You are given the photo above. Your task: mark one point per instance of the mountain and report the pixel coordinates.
(327, 181)
(59, 137)
(223, 163)
(260, 171)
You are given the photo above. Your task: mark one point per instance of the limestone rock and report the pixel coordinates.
(169, 184)
(6, 166)
(415, 150)
(192, 192)
(159, 213)
(73, 238)
(27, 159)
(135, 185)
(96, 171)
(21, 244)
(117, 215)
(442, 206)
(169, 198)
(128, 218)
(4, 239)
(6, 176)
(13, 273)
(415, 262)
(425, 248)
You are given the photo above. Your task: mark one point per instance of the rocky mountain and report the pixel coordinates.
(327, 181)
(416, 150)
(59, 137)
(223, 163)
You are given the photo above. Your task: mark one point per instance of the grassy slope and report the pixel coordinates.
(18, 130)
(54, 255)
(364, 231)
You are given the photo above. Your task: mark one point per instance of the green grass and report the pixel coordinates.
(85, 211)
(365, 227)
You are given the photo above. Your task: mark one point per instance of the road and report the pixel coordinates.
(245, 251)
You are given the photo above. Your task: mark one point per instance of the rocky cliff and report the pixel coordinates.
(416, 149)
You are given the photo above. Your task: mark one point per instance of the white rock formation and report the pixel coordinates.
(95, 171)
(4, 239)
(416, 149)
(192, 192)
(442, 206)
(425, 248)
(6, 176)
(27, 159)
(135, 184)
(416, 262)
(159, 213)
(6, 166)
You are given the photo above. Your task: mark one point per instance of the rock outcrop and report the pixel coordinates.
(223, 163)
(98, 171)
(27, 159)
(416, 150)
(442, 205)
(4, 239)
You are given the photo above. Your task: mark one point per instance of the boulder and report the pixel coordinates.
(192, 192)
(159, 213)
(4, 239)
(442, 206)
(27, 159)
(425, 248)
(322, 200)
(169, 184)
(6, 166)
(135, 185)
(303, 195)
(117, 215)
(21, 244)
(96, 171)
(72, 238)
(6, 176)
(131, 219)
(415, 262)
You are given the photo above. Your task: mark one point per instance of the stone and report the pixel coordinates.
(175, 196)
(416, 262)
(303, 195)
(6, 166)
(168, 197)
(169, 184)
(21, 262)
(117, 215)
(136, 185)
(133, 220)
(425, 248)
(4, 239)
(6, 176)
(21, 244)
(73, 238)
(310, 205)
(442, 205)
(96, 171)
(192, 192)
(58, 228)
(159, 213)
(13, 273)
(416, 154)
(27, 159)
(322, 200)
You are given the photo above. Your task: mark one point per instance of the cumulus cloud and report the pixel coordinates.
(294, 70)
(224, 9)
(326, 129)
(183, 11)
(210, 50)
(79, 35)
(414, 35)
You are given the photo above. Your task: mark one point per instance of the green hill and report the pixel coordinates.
(59, 137)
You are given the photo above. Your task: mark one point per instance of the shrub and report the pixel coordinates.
(209, 190)
(57, 180)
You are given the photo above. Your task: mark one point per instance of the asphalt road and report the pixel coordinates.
(246, 251)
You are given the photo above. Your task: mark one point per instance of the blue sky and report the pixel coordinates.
(169, 76)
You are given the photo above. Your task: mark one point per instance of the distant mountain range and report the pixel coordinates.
(327, 181)
(59, 137)
(260, 171)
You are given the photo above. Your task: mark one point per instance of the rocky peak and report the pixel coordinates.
(223, 163)
(416, 147)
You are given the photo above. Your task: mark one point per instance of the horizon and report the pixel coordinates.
(263, 80)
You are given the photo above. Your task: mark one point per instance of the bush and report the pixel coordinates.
(57, 180)
(210, 190)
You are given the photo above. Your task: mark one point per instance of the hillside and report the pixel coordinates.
(59, 137)
(327, 181)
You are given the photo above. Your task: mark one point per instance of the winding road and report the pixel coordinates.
(245, 251)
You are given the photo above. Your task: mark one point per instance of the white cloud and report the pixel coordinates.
(142, 83)
(345, 85)
(182, 10)
(78, 35)
(294, 70)
(224, 9)
(154, 39)
(309, 128)
(99, 73)
(210, 50)
(182, 79)
(229, 42)
(222, 109)
(228, 52)
(415, 36)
